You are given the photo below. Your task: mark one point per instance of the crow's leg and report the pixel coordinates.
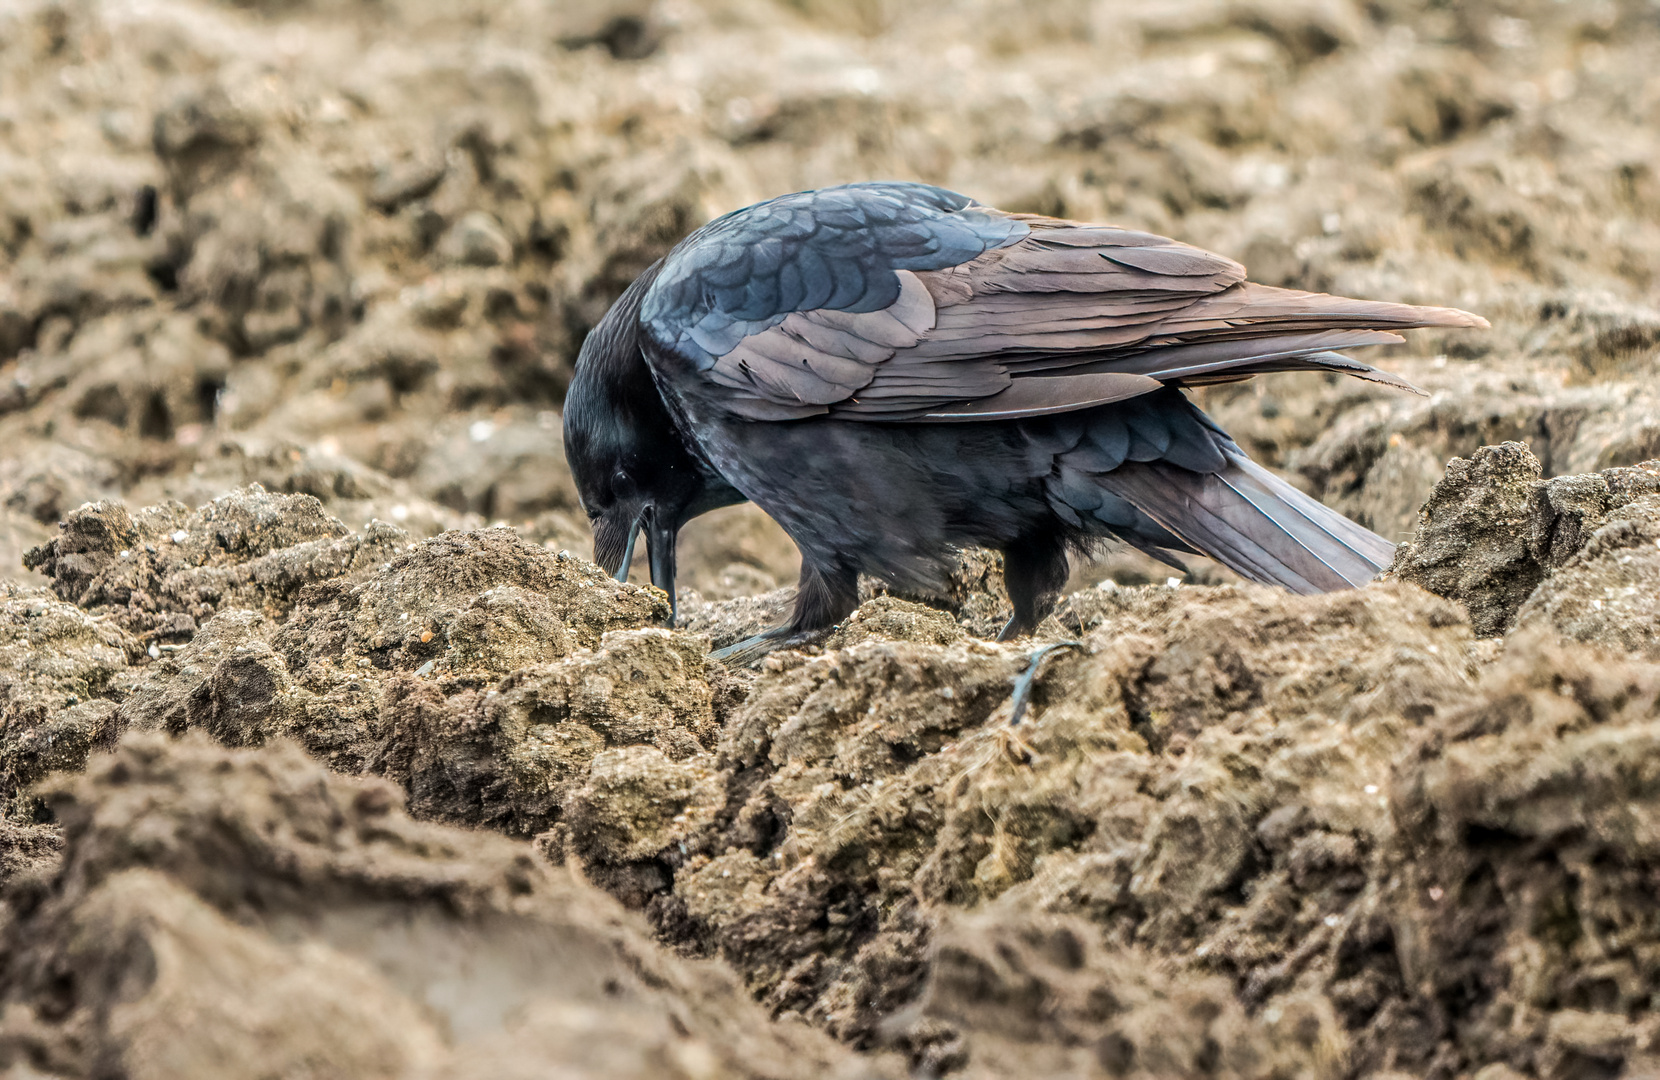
(1034, 572)
(824, 597)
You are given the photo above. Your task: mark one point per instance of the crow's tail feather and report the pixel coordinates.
(1255, 524)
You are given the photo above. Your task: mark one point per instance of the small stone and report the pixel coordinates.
(476, 240)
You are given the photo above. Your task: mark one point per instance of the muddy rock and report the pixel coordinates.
(469, 605)
(227, 681)
(1493, 531)
(872, 810)
(163, 571)
(477, 670)
(28, 851)
(266, 924)
(1221, 839)
(638, 804)
(1569, 509)
(61, 672)
(973, 595)
(514, 755)
(821, 747)
(49, 481)
(727, 622)
(1515, 810)
(1472, 540)
(1203, 797)
(889, 618)
(1042, 993)
(1609, 591)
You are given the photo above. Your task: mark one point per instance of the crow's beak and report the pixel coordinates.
(628, 549)
(660, 541)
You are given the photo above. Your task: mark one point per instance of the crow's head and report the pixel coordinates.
(633, 470)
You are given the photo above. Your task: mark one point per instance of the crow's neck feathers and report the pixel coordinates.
(613, 388)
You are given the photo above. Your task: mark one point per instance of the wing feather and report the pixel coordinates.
(1041, 397)
(901, 302)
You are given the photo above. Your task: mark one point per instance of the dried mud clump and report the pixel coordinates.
(27, 851)
(1472, 540)
(1608, 592)
(59, 670)
(1514, 885)
(513, 755)
(1044, 996)
(270, 919)
(474, 604)
(162, 572)
(1577, 553)
(1241, 834)
(396, 672)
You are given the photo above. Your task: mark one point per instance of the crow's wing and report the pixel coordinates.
(838, 265)
(906, 302)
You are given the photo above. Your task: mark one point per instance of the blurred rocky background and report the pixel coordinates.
(290, 291)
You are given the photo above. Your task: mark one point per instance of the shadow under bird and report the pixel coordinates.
(894, 372)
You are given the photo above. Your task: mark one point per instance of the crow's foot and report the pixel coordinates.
(1023, 685)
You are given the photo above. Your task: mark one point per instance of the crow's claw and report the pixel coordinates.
(1017, 750)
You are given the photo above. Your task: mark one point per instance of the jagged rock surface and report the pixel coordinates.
(1225, 804)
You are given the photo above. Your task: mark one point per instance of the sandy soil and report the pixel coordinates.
(325, 752)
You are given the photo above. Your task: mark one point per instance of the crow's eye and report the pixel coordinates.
(623, 486)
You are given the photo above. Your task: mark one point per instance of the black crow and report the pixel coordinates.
(894, 372)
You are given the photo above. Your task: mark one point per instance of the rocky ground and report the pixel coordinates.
(325, 752)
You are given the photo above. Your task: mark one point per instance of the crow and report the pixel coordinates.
(895, 372)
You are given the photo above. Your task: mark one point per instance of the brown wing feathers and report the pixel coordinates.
(1072, 316)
